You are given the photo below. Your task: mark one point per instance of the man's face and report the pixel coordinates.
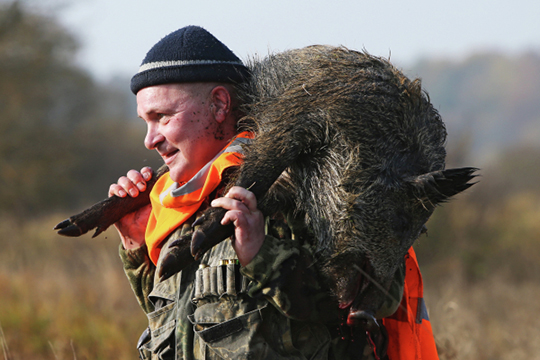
(181, 126)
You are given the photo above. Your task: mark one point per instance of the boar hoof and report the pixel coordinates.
(67, 228)
(198, 242)
(177, 259)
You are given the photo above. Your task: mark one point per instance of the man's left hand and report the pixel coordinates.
(248, 222)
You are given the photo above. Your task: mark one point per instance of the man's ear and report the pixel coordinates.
(221, 103)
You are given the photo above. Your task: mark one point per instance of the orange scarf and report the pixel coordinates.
(173, 204)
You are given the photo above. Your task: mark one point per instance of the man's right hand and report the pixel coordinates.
(132, 227)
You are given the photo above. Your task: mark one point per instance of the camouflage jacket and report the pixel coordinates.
(273, 308)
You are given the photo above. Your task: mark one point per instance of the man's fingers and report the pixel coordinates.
(117, 190)
(137, 178)
(247, 219)
(243, 195)
(129, 186)
(125, 186)
(146, 173)
(236, 217)
(230, 204)
(133, 183)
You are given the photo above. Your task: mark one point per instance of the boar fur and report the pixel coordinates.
(351, 144)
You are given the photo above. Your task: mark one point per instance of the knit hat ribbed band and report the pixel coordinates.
(190, 54)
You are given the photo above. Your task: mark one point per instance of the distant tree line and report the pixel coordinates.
(491, 105)
(59, 146)
(65, 137)
(491, 98)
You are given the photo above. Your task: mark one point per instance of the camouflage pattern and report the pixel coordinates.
(273, 308)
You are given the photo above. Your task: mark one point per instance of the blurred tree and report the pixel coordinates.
(56, 140)
(492, 96)
(491, 229)
(490, 104)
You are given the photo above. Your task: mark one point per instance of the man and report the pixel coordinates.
(254, 296)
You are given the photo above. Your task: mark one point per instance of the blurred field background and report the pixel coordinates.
(64, 137)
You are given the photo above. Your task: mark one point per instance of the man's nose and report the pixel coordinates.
(153, 137)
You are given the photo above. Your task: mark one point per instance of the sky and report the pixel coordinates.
(116, 34)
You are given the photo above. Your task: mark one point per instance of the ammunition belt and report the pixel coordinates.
(219, 280)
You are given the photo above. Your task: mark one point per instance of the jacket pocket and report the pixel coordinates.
(160, 344)
(245, 336)
(235, 338)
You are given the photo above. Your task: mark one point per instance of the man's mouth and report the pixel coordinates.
(168, 157)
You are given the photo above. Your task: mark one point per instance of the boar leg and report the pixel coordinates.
(265, 161)
(106, 212)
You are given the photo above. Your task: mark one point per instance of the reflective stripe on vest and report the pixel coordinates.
(173, 204)
(410, 336)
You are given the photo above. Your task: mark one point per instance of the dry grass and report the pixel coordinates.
(481, 266)
(495, 319)
(63, 298)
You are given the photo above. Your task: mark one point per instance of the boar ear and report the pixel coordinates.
(438, 186)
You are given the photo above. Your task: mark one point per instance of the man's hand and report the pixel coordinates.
(132, 227)
(247, 219)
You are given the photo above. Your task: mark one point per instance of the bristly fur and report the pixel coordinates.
(350, 139)
(350, 144)
(365, 125)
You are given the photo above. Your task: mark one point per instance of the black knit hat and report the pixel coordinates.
(190, 54)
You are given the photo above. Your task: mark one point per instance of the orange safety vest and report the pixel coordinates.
(409, 331)
(173, 204)
(410, 336)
